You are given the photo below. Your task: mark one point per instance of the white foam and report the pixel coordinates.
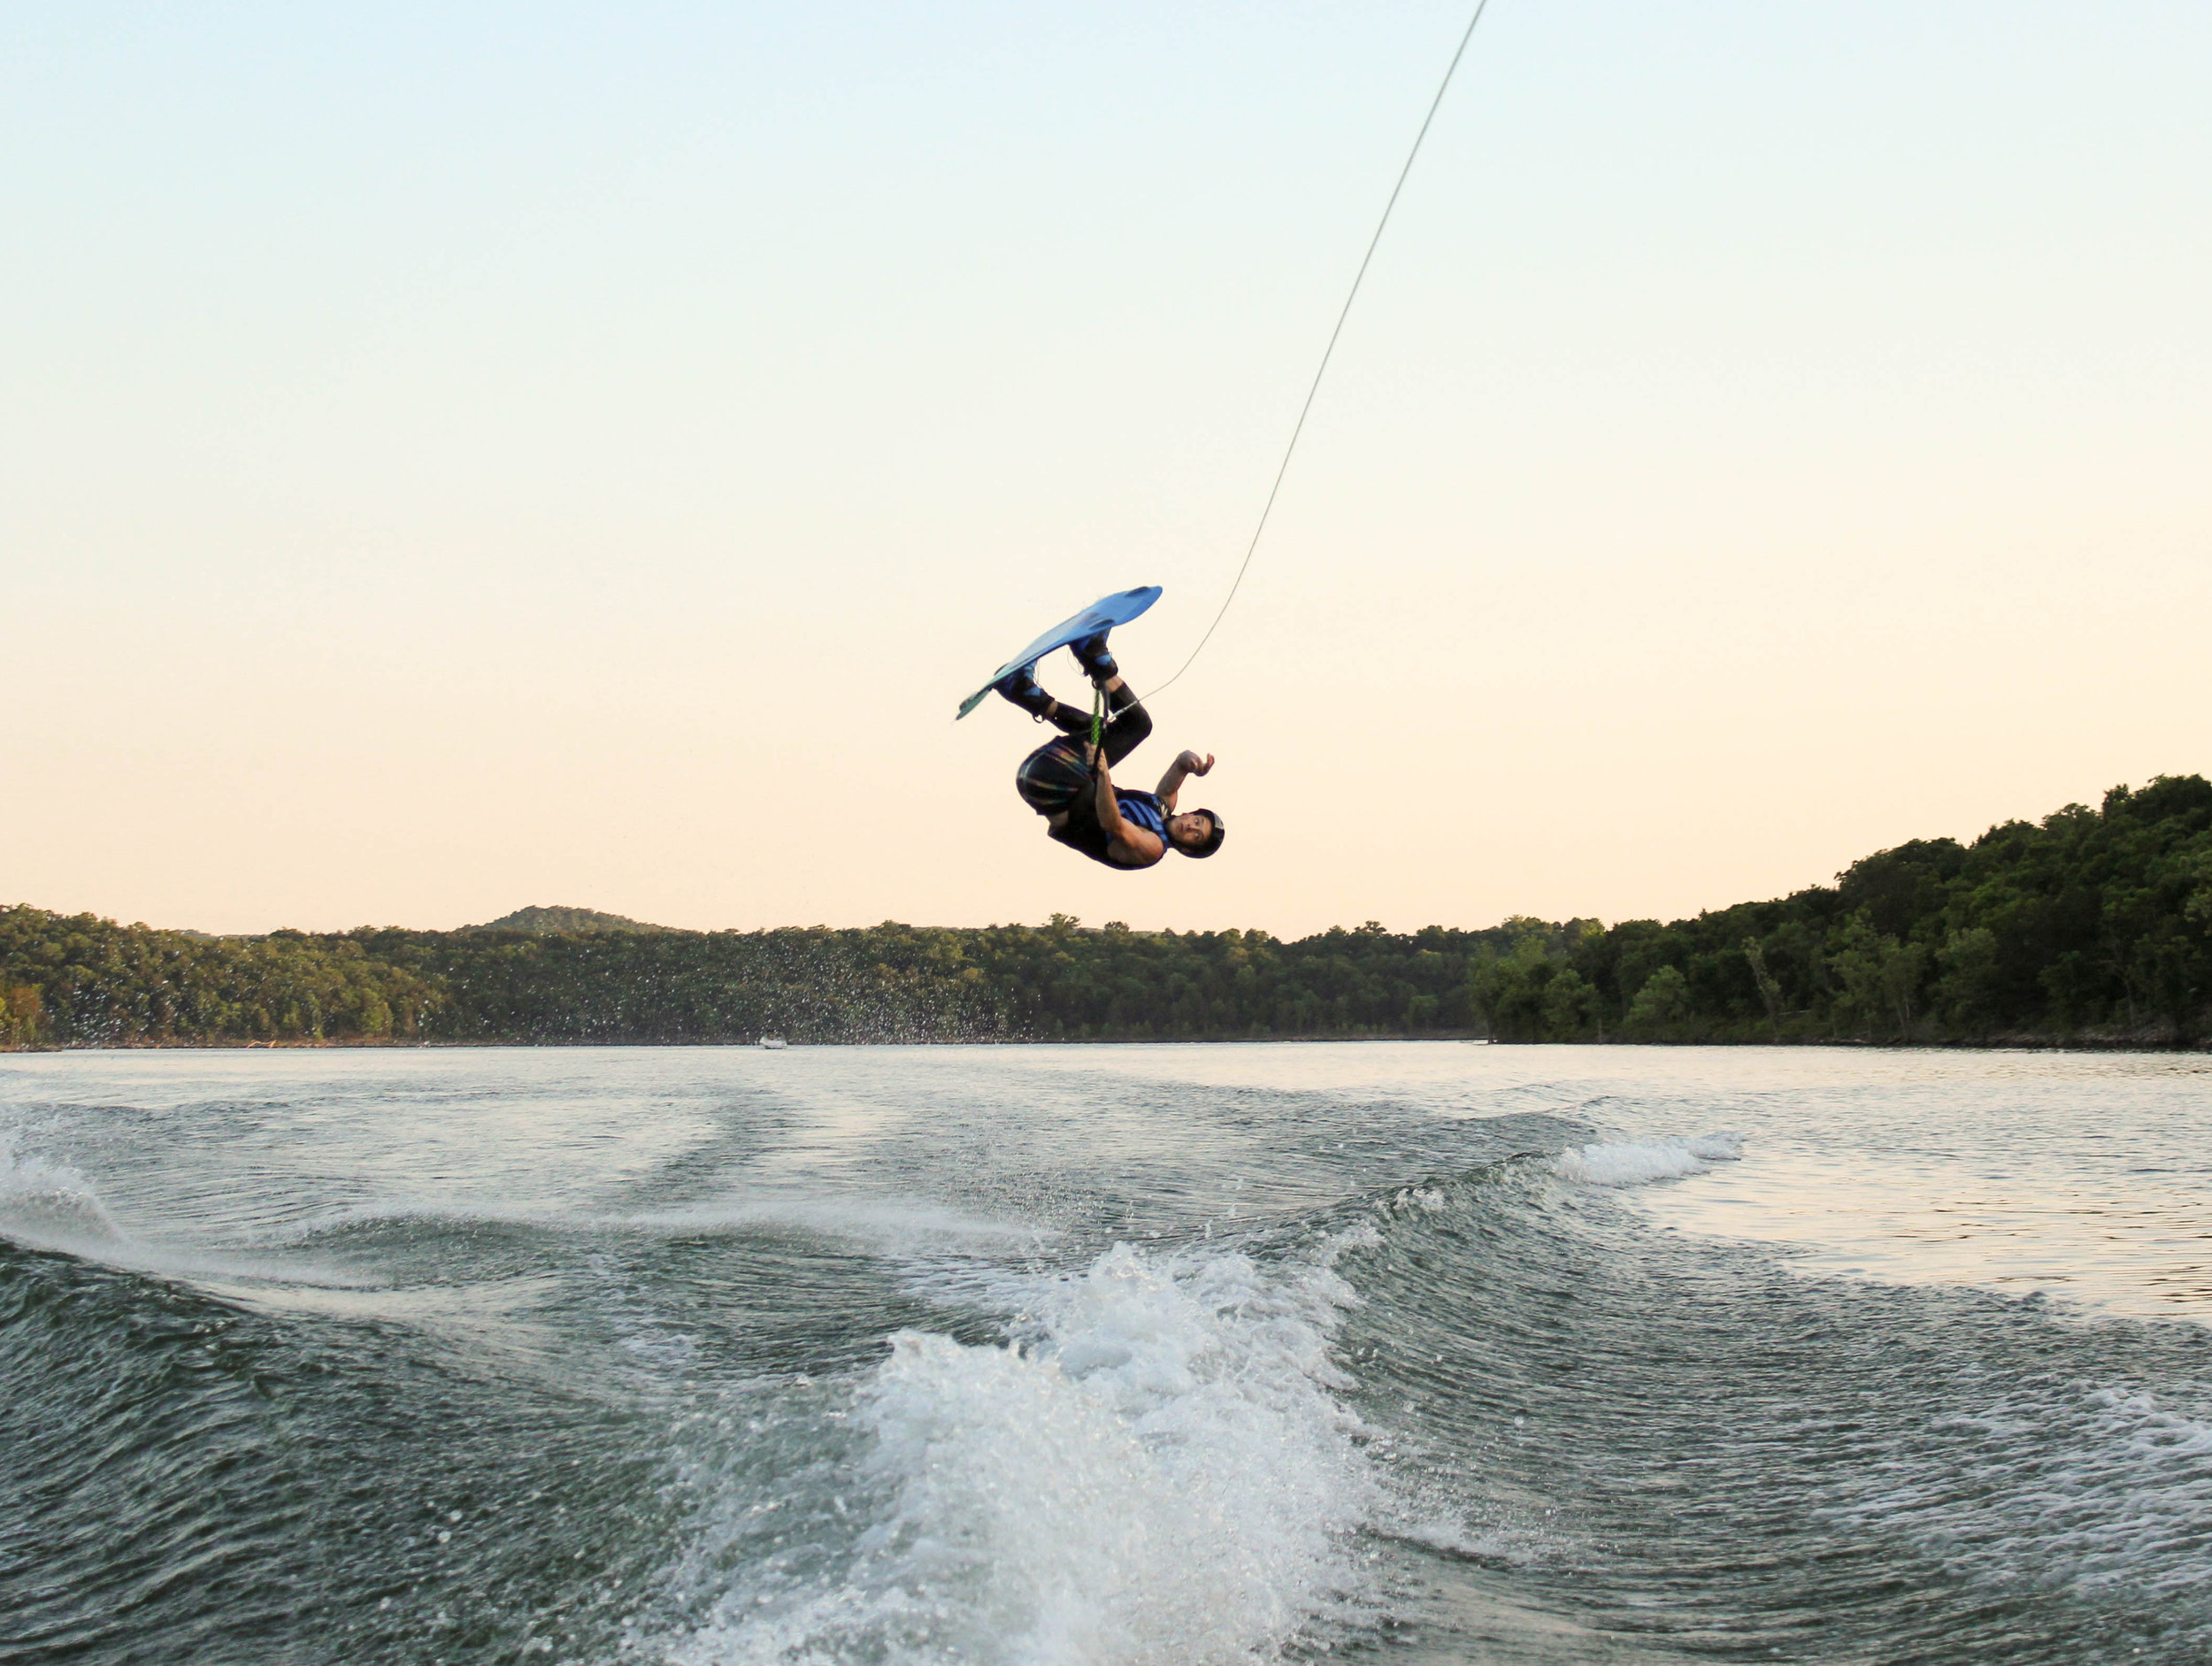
(1642, 1162)
(2107, 1489)
(885, 1224)
(1160, 1475)
(50, 1205)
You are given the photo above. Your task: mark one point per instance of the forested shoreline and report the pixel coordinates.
(2091, 927)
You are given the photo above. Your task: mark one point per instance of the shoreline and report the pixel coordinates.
(2007, 1044)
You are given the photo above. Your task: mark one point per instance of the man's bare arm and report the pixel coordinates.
(1187, 764)
(1132, 846)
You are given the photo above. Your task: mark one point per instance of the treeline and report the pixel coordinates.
(2093, 926)
(85, 981)
(82, 981)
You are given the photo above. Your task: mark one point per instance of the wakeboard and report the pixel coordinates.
(1101, 615)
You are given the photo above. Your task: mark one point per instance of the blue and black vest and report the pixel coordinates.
(1083, 832)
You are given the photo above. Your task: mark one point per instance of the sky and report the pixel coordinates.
(454, 458)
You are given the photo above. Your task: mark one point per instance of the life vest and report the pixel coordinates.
(1139, 809)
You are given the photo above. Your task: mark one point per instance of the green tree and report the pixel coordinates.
(1769, 990)
(1661, 1002)
(1570, 1006)
(1508, 989)
(1881, 978)
(1967, 987)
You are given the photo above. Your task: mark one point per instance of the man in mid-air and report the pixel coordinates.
(1066, 780)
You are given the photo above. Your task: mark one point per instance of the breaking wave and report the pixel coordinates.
(1157, 1470)
(1642, 1162)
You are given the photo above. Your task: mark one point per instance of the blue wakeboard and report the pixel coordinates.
(1101, 615)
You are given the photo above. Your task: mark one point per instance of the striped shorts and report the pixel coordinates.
(1055, 775)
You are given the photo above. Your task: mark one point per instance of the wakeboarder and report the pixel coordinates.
(1067, 779)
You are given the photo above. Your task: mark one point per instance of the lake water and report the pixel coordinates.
(1174, 1354)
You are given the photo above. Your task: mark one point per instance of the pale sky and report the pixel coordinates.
(453, 458)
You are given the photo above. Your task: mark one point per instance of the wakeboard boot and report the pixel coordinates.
(1096, 659)
(1022, 688)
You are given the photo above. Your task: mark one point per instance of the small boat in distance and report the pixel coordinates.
(774, 1041)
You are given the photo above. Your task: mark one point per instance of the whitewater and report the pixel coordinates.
(1086, 1356)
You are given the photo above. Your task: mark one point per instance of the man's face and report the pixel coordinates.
(1191, 829)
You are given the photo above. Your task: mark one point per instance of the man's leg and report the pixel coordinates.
(1054, 776)
(1022, 688)
(1132, 723)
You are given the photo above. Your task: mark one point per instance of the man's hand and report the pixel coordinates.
(1187, 764)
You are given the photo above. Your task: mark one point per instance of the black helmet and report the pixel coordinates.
(1213, 839)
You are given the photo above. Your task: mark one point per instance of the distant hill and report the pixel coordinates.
(2092, 927)
(548, 921)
